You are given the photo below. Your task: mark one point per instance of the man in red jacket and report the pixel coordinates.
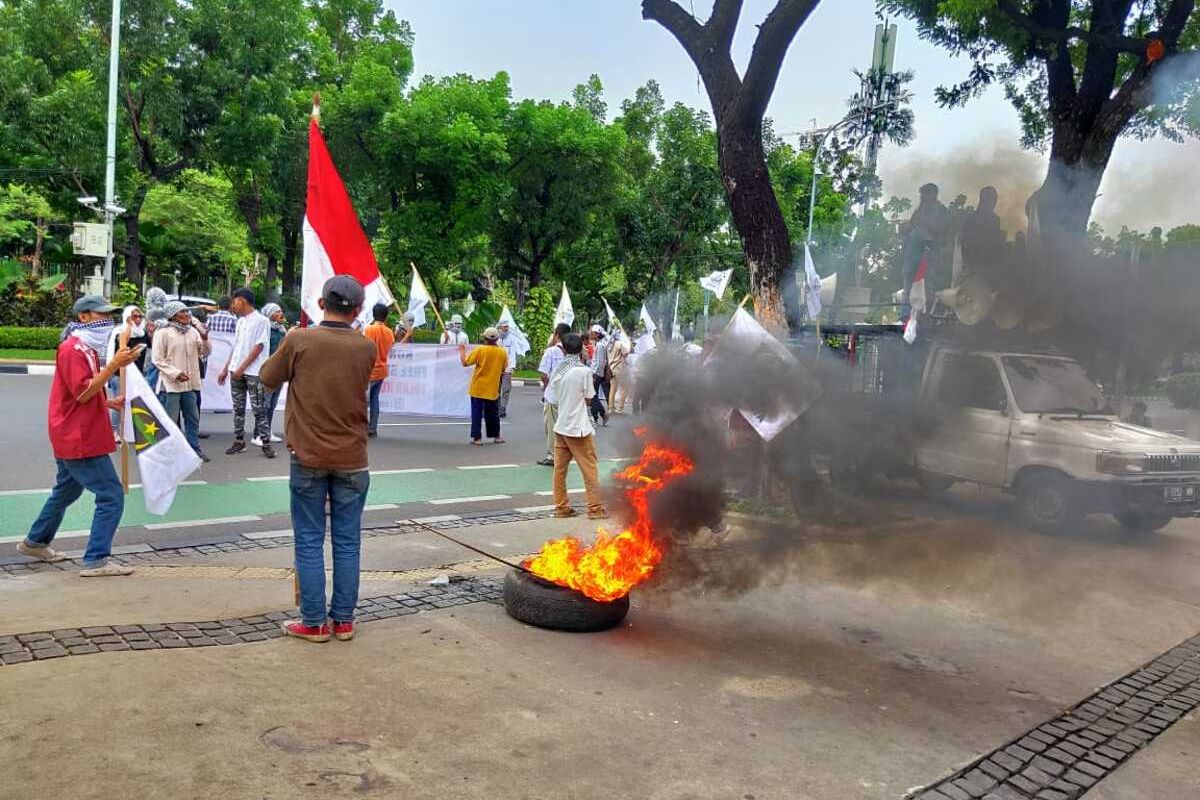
(81, 437)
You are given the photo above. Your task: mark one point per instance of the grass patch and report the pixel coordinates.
(527, 374)
(10, 354)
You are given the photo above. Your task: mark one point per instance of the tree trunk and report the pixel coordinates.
(291, 236)
(271, 279)
(760, 224)
(133, 244)
(1077, 164)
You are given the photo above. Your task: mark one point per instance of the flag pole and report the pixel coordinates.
(124, 444)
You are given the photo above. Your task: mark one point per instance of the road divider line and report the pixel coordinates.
(412, 471)
(431, 520)
(15, 492)
(533, 509)
(417, 424)
(287, 533)
(449, 501)
(381, 507)
(490, 466)
(265, 478)
(551, 494)
(196, 523)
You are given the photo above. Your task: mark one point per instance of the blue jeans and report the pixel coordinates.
(347, 494)
(185, 404)
(98, 476)
(373, 406)
(272, 402)
(482, 410)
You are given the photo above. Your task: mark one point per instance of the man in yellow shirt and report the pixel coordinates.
(490, 361)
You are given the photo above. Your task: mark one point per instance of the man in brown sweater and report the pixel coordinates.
(327, 369)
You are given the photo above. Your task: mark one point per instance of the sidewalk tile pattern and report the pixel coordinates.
(23, 648)
(1065, 757)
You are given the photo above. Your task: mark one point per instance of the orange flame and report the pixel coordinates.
(613, 565)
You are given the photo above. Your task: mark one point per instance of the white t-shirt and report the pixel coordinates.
(252, 329)
(551, 357)
(573, 388)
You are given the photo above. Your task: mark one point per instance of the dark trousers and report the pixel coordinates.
(373, 406)
(485, 411)
(597, 407)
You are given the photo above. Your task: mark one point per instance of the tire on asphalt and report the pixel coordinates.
(1049, 501)
(547, 605)
(1142, 520)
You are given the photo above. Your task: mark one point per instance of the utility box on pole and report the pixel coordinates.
(90, 239)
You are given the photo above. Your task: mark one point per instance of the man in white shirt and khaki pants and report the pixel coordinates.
(572, 388)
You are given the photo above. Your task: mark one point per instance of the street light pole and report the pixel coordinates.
(110, 162)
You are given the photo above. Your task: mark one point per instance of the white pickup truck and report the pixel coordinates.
(1036, 426)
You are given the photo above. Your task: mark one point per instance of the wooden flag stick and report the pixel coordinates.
(124, 444)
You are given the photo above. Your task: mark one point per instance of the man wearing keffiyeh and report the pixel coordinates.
(177, 350)
(573, 387)
(81, 437)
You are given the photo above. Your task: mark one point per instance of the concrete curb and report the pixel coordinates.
(26, 369)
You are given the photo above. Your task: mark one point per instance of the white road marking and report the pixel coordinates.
(195, 523)
(431, 520)
(57, 536)
(533, 509)
(401, 471)
(380, 507)
(288, 533)
(551, 494)
(417, 424)
(40, 369)
(13, 492)
(181, 483)
(265, 478)
(449, 501)
(490, 466)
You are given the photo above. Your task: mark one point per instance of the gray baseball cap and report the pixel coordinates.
(93, 302)
(343, 293)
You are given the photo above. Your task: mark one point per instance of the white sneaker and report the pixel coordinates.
(257, 442)
(106, 570)
(275, 438)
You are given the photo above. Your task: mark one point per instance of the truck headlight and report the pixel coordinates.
(1113, 463)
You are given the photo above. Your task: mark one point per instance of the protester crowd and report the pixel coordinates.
(334, 372)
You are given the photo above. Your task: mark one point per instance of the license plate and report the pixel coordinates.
(1180, 494)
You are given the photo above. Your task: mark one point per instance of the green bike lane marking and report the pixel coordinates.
(265, 498)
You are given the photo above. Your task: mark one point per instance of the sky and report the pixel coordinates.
(549, 46)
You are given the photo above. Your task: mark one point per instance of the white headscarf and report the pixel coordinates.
(135, 331)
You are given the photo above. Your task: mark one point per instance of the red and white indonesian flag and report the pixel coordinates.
(916, 300)
(334, 242)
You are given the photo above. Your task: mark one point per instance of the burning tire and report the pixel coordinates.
(547, 605)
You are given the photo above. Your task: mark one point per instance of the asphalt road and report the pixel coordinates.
(420, 467)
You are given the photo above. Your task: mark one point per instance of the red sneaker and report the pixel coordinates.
(343, 631)
(313, 633)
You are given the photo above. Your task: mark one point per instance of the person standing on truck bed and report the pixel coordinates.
(983, 240)
(922, 233)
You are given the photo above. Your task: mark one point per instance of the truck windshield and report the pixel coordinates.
(1053, 386)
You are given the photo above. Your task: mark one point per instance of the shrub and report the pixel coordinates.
(1183, 390)
(29, 338)
(24, 303)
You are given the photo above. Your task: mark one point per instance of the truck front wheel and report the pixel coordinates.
(1049, 501)
(1142, 520)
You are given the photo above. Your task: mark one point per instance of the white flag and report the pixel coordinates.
(566, 313)
(418, 298)
(675, 329)
(164, 457)
(644, 318)
(717, 282)
(612, 318)
(745, 338)
(517, 342)
(812, 285)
